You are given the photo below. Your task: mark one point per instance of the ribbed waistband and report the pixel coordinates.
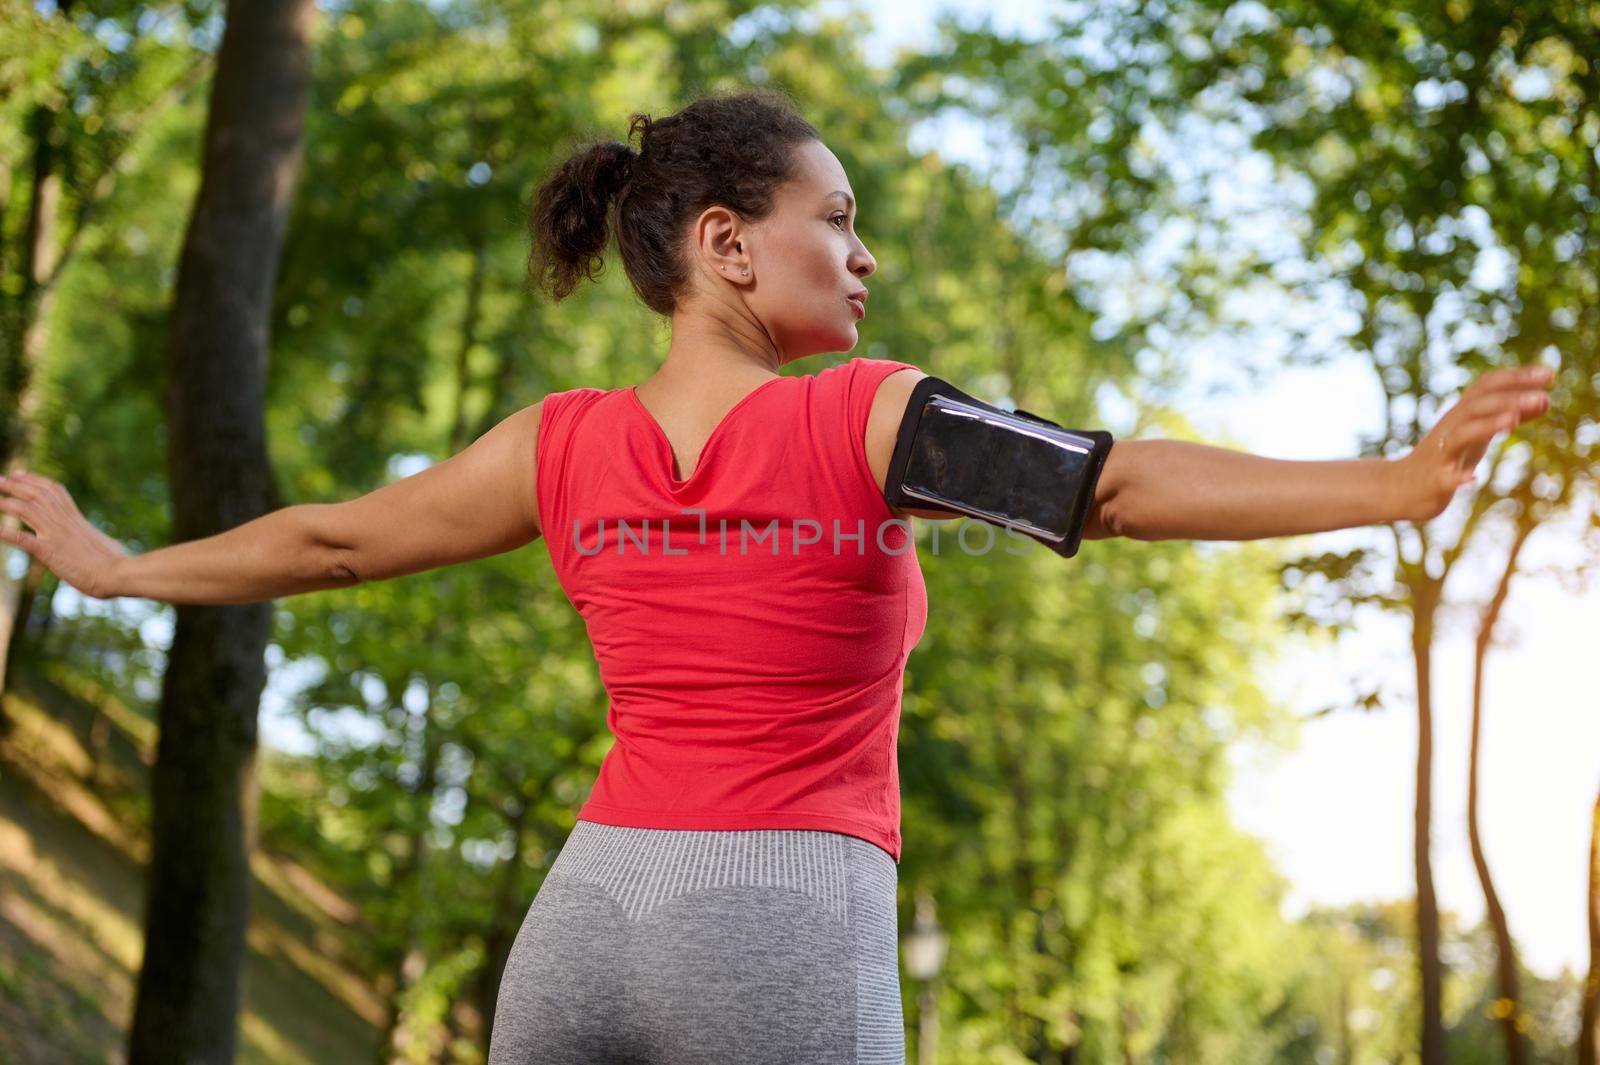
(643, 867)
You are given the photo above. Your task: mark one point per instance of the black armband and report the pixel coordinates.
(959, 454)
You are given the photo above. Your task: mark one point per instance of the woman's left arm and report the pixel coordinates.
(1174, 489)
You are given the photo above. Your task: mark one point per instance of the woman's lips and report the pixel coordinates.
(859, 304)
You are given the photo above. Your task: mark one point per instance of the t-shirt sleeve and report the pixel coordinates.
(559, 415)
(865, 375)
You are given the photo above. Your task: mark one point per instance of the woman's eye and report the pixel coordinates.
(838, 218)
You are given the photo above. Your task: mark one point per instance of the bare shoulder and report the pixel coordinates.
(883, 424)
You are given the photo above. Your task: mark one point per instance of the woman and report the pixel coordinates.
(728, 891)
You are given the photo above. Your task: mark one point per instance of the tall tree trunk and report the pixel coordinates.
(16, 606)
(1505, 948)
(1425, 593)
(1589, 1027)
(203, 787)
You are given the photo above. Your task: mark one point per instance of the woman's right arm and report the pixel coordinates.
(479, 502)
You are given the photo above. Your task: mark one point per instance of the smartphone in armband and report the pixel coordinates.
(1009, 468)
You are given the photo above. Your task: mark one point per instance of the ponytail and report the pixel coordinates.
(570, 217)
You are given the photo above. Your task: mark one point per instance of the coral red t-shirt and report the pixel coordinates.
(751, 623)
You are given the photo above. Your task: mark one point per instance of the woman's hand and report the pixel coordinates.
(1445, 459)
(62, 538)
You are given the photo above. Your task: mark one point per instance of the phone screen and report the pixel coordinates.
(1005, 467)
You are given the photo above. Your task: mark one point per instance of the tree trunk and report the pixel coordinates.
(1425, 593)
(26, 592)
(1505, 949)
(203, 787)
(1589, 1027)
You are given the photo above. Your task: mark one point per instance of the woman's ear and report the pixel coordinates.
(721, 242)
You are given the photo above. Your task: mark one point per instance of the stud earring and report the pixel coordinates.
(744, 271)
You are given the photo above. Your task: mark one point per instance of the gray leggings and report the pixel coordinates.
(649, 946)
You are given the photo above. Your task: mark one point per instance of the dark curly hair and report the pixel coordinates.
(732, 149)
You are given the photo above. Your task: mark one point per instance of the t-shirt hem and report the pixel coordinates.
(623, 817)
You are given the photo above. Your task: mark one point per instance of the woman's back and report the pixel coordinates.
(752, 621)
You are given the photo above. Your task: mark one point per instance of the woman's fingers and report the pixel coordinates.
(1477, 418)
(18, 498)
(25, 540)
(1481, 430)
(20, 484)
(60, 537)
(30, 487)
(1524, 403)
(1445, 459)
(1469, 440)
(37, 489)
(1520, 392)
(1513, 377)
(27, 498)
(12, 506)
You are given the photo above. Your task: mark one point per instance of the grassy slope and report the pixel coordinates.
(73, 805)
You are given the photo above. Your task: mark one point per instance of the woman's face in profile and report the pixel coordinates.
(806, 260)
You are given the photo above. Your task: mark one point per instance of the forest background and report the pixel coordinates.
(1386, 203)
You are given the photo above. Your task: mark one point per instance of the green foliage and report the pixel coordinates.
(1066, 726)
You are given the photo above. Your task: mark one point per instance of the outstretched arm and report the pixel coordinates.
(479, 502)
(1174, 489)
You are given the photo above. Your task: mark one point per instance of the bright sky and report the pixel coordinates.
(1336, 812)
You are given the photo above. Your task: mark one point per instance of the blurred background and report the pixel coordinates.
(1161, 803)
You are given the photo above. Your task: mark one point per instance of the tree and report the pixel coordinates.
(1429, 155)
(203, 780)
(1589, 1020)
(1430, 136)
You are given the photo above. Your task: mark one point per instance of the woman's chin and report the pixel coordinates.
(834, 342)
